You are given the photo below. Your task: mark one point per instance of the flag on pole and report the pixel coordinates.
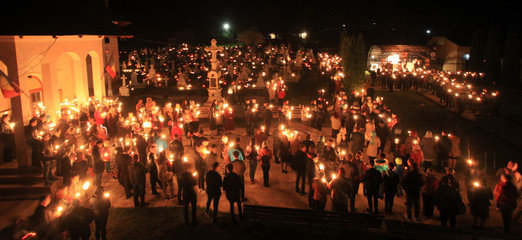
(109, 68)
(9, 88)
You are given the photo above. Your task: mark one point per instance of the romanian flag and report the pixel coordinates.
(9, 88)
(109, 68)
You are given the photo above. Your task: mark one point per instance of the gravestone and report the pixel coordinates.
(214, 91)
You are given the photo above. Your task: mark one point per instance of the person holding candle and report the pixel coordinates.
(153, 169)
(321, 191)
(77, 221)
(47, 154)
(444, 147)
(98, 163)
(165, 177)
(265, 156)
(340, 188)
(447, 199)
(100, 204)
(252, 157)
(454, 154)
(427, 145)
(479, 202)
(506, 194)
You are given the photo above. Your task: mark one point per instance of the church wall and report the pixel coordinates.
(64, 58)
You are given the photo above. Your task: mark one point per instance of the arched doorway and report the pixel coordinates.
(69, 77)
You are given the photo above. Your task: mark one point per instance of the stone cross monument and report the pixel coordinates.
(214, 91)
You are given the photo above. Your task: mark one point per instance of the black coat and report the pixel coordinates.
(232, 185)
(299, 161)
(187, 184)
(390, 182)
(372, 180)
(214, 183)
(137, 174)
(412, 182)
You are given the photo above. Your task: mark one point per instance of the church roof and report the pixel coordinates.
(58, 17)
(404, 48)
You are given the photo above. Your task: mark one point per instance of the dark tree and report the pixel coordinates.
(476, 56)
(492, 68)
(511, 64)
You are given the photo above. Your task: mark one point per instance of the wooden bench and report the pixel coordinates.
(313, 218)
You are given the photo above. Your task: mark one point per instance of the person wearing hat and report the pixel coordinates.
(100, 204)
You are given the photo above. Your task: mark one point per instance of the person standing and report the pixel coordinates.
(341, 189)
(479, 202)
(252, 156)
(165, 177)
(77, 221)
(267, 118)
(427, 145)
(239, 169)
(455, 150)
(100, 205)
(506, 195)
(47, 154)
(201, 165)
(443, 147)
(372, 180)
(7, 138)
(320, 191)
(447, 199)
(188, 183)
(299, 166)
(265, 157)
(358, 140)
(373, 146)
(214, 184)
(428, 192)
(232, 186)
(153, 168)
(137, 173)
(98, 163)
(390, 181)
(412, 182)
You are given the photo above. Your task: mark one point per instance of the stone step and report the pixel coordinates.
(20, 192)
(24, 179)
(25, 170)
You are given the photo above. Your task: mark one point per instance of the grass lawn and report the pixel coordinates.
(168, 223)
(421, 114)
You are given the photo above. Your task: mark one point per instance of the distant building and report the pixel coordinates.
(58, 52)
(439, 53)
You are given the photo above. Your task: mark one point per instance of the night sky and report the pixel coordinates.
(379, 21)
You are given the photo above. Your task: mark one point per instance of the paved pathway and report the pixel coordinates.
(281, 192)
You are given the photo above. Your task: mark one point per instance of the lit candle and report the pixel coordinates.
(86, 185)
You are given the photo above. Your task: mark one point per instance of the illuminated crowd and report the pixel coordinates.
(368, 145)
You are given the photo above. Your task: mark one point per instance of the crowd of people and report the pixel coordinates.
(369, 145)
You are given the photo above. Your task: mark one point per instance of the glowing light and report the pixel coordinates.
(86, 185)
